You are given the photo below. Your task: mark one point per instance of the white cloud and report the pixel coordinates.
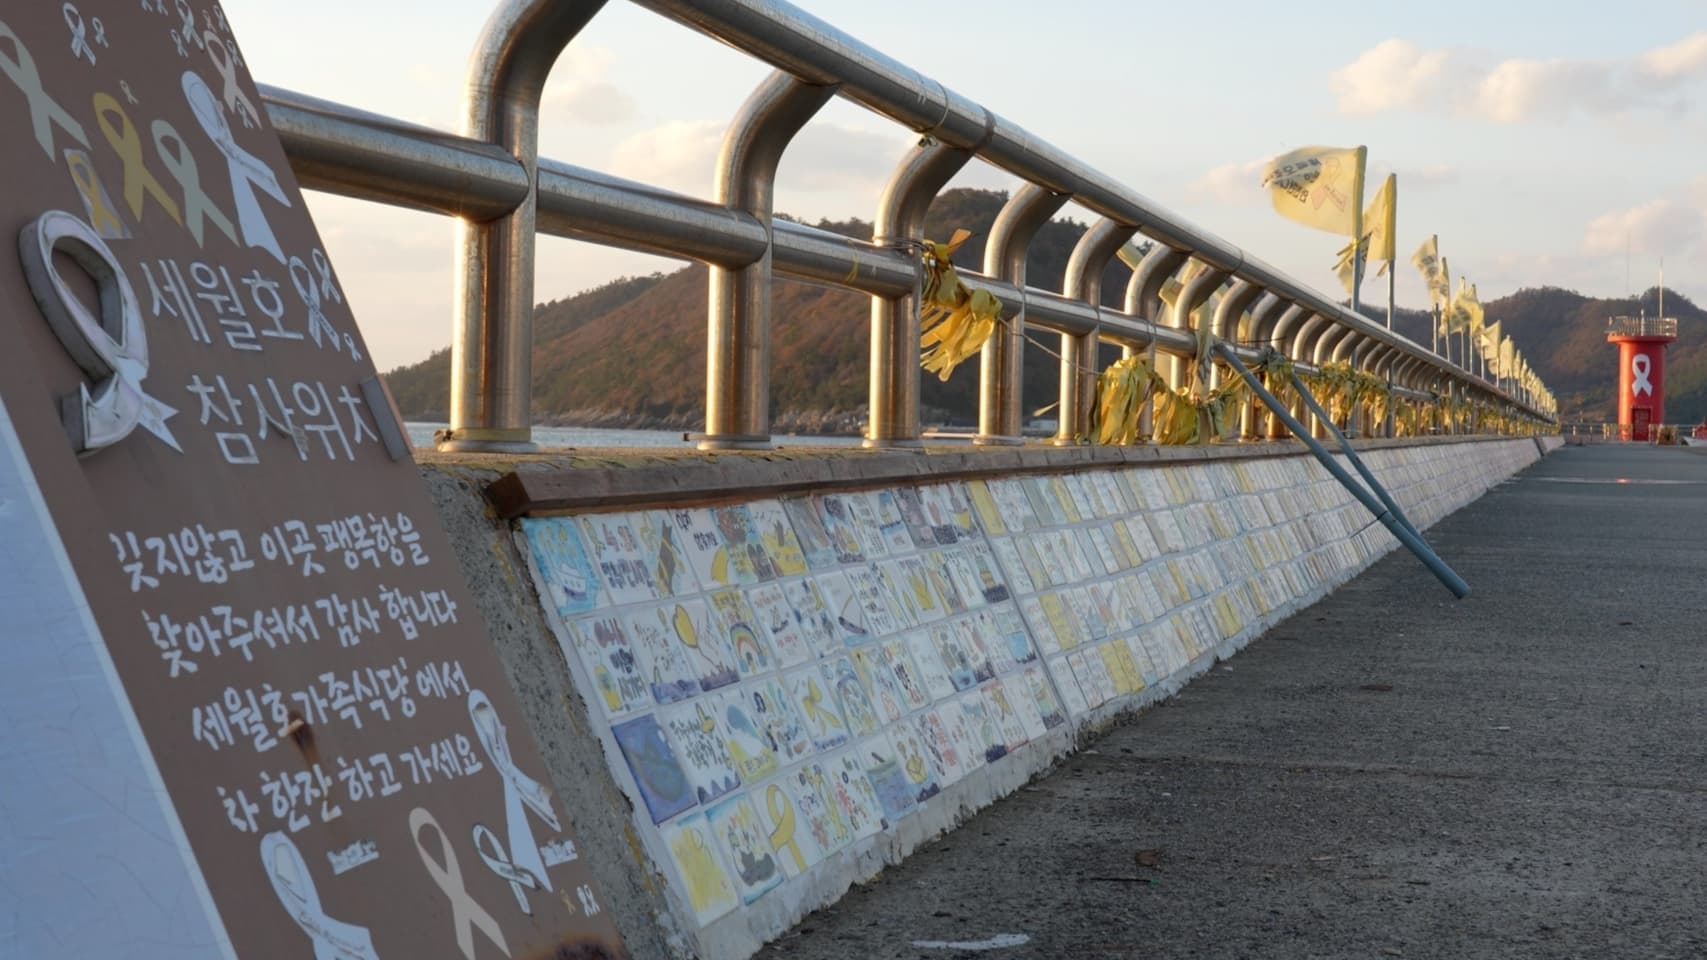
(1230, 183)
(823, 158)
(1398, 75)
(577, 90)
(1666, 225)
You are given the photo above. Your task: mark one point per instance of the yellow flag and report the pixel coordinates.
(1344, 266)
(1458, 314)
(1432, 266)
(1379, 222)
(1508, 357)
(1490, 342)
(1320, 187)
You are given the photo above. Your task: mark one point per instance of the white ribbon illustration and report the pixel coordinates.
(492, 851)
(302, 278)
(112, 349)
(79, 34)
(1640, 365)
(294, 886)
(246, 170)
(521, 792)
(465, 914)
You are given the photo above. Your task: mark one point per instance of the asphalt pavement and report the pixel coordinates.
(1389, 773)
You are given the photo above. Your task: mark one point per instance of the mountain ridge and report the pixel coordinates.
(631, 353)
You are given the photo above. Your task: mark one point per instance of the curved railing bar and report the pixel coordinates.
(893, 401)
(1083, 281)
(492, 344)
(738, 327)
(1001, 363)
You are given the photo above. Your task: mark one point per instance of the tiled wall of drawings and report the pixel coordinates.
(784, 679)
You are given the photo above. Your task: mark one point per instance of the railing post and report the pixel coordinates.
(1144, 302)
(1264, 318)
(1197, 291)
(738, 327)
(893, 396)
(1227, 316)
(1083, 281)
(1001, 364)
(491, 379)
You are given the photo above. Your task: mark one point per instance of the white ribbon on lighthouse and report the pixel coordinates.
(1641, 365)
(294, 886)
(521, 793)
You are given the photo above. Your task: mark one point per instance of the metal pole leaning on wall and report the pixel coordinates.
(738, 318)
(893, 394)
(1079, 360)
(491, 379)
(1356, 461)
(1399, 529)
(1001, 364)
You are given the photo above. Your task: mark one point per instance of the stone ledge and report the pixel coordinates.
(564, 480)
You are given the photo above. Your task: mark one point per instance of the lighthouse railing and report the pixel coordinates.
(1641, 327)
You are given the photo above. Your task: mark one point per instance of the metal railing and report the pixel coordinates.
(1642, 327)
(494, 181)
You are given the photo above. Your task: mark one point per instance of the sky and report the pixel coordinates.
(1556, 144)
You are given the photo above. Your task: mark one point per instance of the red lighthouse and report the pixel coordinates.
(1641, 371)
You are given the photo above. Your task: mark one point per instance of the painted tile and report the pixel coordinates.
(745, 843)
(614, 549)
(812, 789)
(747, 740)
(809, 530)
(895, 792)
(664, 785)
(701, 747)
(785, 730)
(776, 535)
(563, 564)
(924, 777)
(875, 676)
(814, 698)
(731, 612)
(609, 658)
(789, 832)
(855, 795)
(1049, 709)
(779, 624)
(839, 524)
(813, 617)
(714, 564)
(891, 525)
(852, 696)
(705, 883)
(928, 661)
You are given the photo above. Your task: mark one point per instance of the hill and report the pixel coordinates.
(632, 352)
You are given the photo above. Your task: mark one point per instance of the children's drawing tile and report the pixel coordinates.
(814, 699)
(663, 658)
(895, 792)
(609, 657)
(809, 530)
(852, 696)
(701, 746)
(570, 583)
(705, 882)
(788, 830)
(731, 612)
(664, 785)
(745, 735)
(779, 624)
(928, 661)
(812, 616)
(614, 548)
(744, 840)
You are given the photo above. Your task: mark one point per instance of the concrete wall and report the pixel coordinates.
(1071, 590)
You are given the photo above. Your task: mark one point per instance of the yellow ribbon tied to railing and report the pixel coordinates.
(1121, 392)
(1198, 413)
(954, 319)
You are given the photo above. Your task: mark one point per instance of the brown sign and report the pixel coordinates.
(347, 760)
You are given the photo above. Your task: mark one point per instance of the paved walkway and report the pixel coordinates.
(1387, 774)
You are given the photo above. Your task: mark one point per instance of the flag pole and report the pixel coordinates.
(1357, 227)
(1392, 275)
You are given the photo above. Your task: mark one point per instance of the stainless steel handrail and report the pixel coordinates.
(504, 192)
